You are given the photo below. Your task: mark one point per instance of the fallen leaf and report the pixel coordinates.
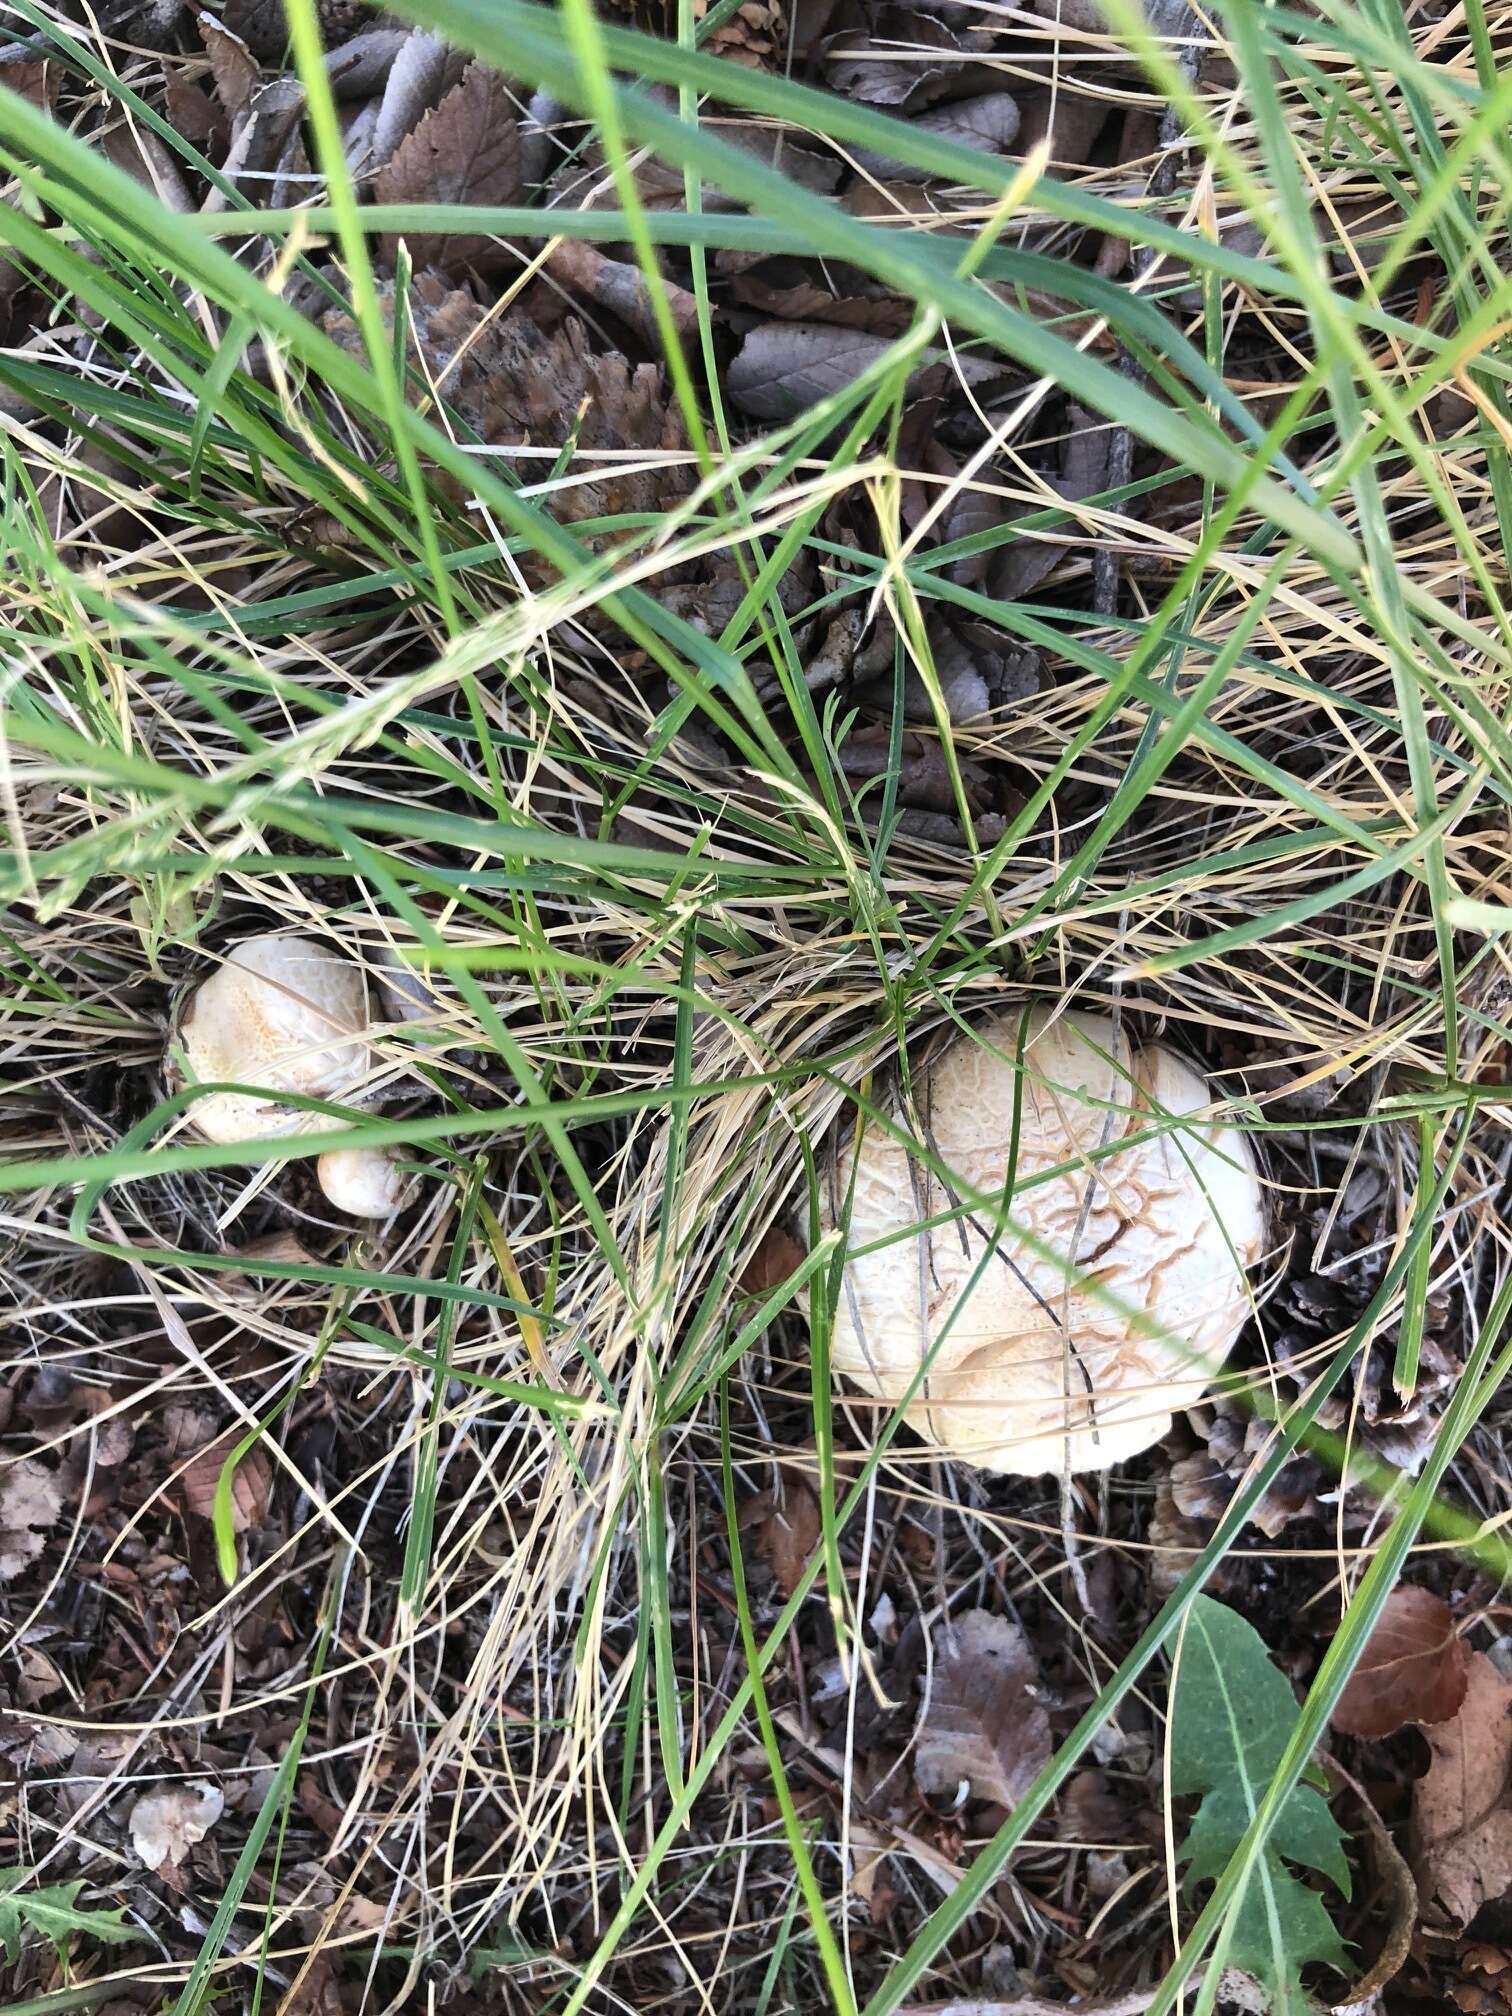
(778, 1254)
(31, 1503)
(316, 1992)
(1070, 121)
(776, 147)
(924, 780)
(38, 83)
(784, 1527)
(33, 78)
(362, 66)
(465, 150)
(138, 152)
(251, 1484)
(979, 1723)
(419, 78)
(234, 69)
(259, 137)
(194, 115)
(185, 1429)
(1400, 1895)
(1413, 1668)
(890, 62)
(988, 124)
(803, 291)
(1462, 1818)
(166, 1824)
(1018, 567)
(783, 368)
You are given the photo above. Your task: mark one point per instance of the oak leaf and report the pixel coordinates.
(980, 1723)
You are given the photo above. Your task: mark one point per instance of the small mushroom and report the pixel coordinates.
(363, 1182)
(287, 1015)
(1036, 1371)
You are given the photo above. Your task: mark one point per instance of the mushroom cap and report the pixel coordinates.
(363, 1182)
(1036, 1372)
(284, 1013)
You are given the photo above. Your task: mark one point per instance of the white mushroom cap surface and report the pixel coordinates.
(286, 1014)
(1036, 1372)
(363, 1182)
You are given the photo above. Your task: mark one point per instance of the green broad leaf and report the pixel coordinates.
(53, 1913)
(1232, 1716)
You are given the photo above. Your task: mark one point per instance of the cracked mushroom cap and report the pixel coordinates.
(1036, 1372)
(284, 1013)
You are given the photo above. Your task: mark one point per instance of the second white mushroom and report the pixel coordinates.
(289, 1016)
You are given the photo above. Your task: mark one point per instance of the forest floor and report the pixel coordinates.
(868, 513)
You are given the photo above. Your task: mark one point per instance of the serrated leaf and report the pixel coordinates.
(1232, 1716)
(1306, 1832)
(53, 1913)
(464, 150)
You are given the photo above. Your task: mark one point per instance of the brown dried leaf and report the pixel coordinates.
(362, 66)
(1462, 1818)
(317, 1992)
(1018, 568)
(1401, 1897)
(1413, 1668)
(777, 1256)
(803, 291)
(35, 79)
(785, 1527)
(980, 1724)
(31, 1503)
(890, 63)
(783, 368)
(422, 73)
(194, 115)
(989, 124)
(467, 150)
(924, 779)
(260, 136)
(1070, 121)
(185, 1429)
(251, 1484)
(236, 71)
(776, 147)
(138, 152)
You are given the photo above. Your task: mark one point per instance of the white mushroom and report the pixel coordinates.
(287, 1015)
(1035, 1369)
(363, 1182)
